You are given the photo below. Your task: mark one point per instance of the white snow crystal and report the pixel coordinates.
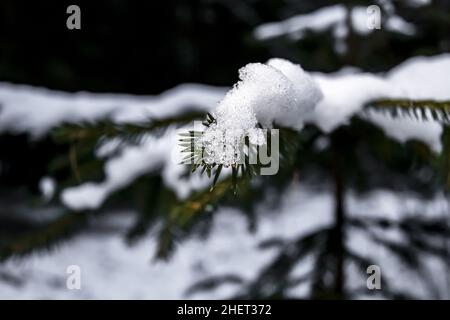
(256, 136)
(306, 93)
(222, 146)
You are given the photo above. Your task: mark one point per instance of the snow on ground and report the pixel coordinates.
(112, 270)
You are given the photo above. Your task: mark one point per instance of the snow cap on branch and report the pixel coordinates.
(276, 92)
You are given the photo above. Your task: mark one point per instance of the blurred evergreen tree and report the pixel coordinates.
(206, 41)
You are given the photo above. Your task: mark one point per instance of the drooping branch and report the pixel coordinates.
(46, 236)
(130, 132)
(422, 110)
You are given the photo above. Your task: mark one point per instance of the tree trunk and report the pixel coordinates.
(339, 229)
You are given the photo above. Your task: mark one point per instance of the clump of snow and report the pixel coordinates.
(47, 187)
(276, 92)
(404, 129)
(296, 26)
(422, 78)
(332, 18)
(399, 25)
(344, 95)
(155, 154)
(418, 78)
(37, 110)
(223, 145)
(304, 97)
(92, 195)
(419, 3)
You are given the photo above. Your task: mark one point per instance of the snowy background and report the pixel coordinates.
(112, 270)
(228, 260)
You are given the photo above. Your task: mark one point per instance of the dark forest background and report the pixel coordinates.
(146, 47)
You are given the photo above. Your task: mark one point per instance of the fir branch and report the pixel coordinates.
(45, 237)
(182, 216)
(289, 143)
(151, 198)
(422, 110)
(195, 154)
(74, 162)
(443, 160)
(107, 129)
(84, 138)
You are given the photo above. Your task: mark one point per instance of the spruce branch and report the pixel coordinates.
(45, 237)
(183, 215)
(107, 129)
(197, 155)
(443, 160)
(73, 158)
(421, 110)
(84, 138)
